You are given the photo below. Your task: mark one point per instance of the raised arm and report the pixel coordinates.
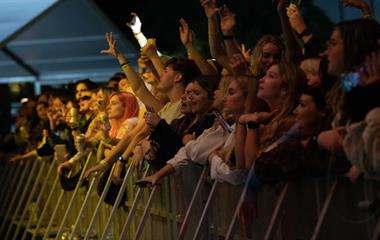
(294, 51)
(150, 50)
(214, 35)
(227, 25)
(361, 5)
(187, 38)
(135, 81)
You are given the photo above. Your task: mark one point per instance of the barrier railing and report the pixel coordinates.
(157, 213)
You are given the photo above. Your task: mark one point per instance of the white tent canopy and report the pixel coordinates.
(60, 44)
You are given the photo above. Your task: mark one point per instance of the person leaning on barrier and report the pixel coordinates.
(199, 149)
(197, 108)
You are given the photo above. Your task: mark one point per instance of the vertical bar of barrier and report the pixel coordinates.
(172, 209)
(29, 199)
(132, 210)
(76, 190)
(25, 189)
(5, 176)
(117, 202)
(277, 209)
(191, 204)
(102, 197)
(321, 217)
(376, 233)
(145, 214)
(209, 199)
(44, 210)
(231, 227)
(83, 207)
(39, 199)
(14, 177)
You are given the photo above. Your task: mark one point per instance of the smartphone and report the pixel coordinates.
(223, 122)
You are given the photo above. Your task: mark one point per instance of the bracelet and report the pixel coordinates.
(124, 64)
(104, 163)
(136, 33)
(253, 125)
(228, 37)
(122, 160)
(304, 33)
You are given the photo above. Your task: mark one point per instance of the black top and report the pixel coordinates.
(166, 139)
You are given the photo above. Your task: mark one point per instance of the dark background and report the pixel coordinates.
(160, 20)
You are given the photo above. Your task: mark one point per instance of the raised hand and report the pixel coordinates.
(135, 24)
(112, 48)
(210, 7)
(246, 52)
(239, 65)
(227, 20)
(185, 33)
(295, 18)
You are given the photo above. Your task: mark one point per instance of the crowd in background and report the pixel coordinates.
(290, 108)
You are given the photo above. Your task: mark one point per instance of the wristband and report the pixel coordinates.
(228, 37)
(122, 160)
(124, 64)
(304, 33)
(253, 125)
(136, 33)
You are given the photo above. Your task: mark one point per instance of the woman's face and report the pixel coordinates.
(115, 108)
(270, 85)
(234, 100)
(185, 101)
(307, 115)
(199, 100)
(41, 111)
(58, 108)
(335, 54)
(101, 100)
(271, 54)
(219, 94)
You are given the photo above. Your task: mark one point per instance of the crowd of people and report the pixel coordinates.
(289, 109)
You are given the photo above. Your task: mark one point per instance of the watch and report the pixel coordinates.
(304, 33)
(122, 160)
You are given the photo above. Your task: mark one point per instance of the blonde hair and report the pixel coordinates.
(249, 85)
(294, 80)
(311, 66)
(257, 53)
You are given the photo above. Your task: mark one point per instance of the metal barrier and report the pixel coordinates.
(167, 211)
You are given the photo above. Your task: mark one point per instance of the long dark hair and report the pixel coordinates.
(360, 38)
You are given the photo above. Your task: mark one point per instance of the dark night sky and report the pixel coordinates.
(160, 20)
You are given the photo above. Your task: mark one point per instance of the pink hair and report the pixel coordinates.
(131, 109)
